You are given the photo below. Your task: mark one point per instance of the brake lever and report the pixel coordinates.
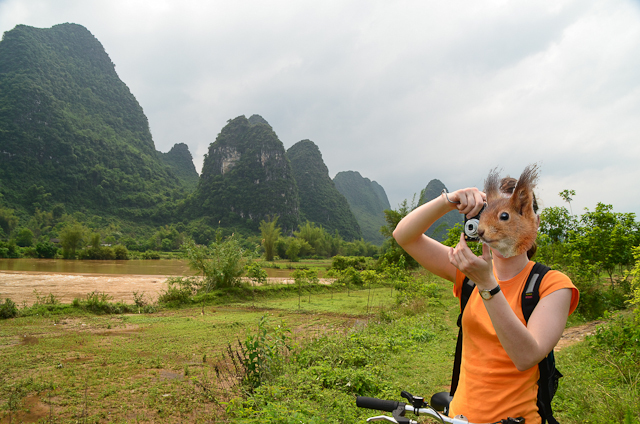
(390, 419)
(382, 418)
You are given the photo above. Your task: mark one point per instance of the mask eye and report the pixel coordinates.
(504, 216)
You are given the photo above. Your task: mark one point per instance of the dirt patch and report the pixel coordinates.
(576, 334)
(20, 286)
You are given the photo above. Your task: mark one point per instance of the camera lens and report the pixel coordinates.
(471, 228)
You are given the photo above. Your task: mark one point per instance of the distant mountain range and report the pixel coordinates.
(368, 201)
(73, 136)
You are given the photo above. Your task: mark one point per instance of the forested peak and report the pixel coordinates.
(180, 161)
(367, 200)
(356, 185)
(433, 190)
(246, 177)
(30, 49)
(180, 150)
(72, 129)
(320, 202)
(238, 137)
(257, 119)
(308, 153)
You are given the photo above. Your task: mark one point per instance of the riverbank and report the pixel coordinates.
(21, 287)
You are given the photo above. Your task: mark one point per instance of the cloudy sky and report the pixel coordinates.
(401, 91)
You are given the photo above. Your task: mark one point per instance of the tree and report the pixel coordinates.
(24, 238)
(606, 238)
(556, 222)
(566, 196)
(8, 221)
(72, 237)
(270, 234)
(222, 263)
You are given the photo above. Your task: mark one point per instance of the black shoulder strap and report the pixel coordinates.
(549, 375)
(467, 289)
(531, 291)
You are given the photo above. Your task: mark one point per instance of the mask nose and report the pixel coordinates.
(480, 232)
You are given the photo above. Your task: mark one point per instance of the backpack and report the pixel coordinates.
(549, 374)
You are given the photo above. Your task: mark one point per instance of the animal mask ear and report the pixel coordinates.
(492, 185)
(522, 198)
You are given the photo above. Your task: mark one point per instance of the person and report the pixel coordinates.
(500, 352)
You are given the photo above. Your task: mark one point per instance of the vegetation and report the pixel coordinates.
(245, 178)
(320, 201)
(367, 200)
(72, 132)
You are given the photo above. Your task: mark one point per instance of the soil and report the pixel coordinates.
(24, 287)
(21, 287)
(576, 334)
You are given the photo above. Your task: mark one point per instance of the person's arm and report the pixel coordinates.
(429, 253)
(525, 345)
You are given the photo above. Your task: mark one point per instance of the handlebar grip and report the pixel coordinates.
(379, 404)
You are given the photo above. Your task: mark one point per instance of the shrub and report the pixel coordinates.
(255, 272)
(8, 309)
(341, 263)
(179, 290)
(221, 264)
(46, 250)
(120, 252)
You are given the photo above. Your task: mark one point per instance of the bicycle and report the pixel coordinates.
(417, 406)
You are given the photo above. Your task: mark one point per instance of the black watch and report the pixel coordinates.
(488, 294)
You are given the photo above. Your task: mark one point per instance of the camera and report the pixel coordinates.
(471, 226)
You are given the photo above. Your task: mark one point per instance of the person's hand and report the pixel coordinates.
(479, 269)
(469, 200)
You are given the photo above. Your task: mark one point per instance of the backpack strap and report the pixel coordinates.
(467, 289)
(531, 292)
(549, 375)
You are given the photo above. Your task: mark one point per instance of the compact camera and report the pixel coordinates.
(471, 226)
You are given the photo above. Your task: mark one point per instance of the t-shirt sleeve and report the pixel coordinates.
(556, 280)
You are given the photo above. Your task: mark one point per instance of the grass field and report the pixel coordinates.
(174, 366)
(147, 367)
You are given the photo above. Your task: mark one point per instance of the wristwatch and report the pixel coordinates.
(488, 294)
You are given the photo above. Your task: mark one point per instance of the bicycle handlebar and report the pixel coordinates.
(379, 404)
(418, 407)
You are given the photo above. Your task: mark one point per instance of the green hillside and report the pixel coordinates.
(246, 177)
(367, 200)
(439, 228)
(320, 202)
(180, 161)
(71, 132)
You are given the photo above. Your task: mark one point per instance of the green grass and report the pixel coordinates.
(173, 365)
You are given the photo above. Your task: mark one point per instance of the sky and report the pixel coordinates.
(401, 91)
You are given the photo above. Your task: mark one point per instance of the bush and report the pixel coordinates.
(150, 254)
(341, 263)
(179, 290)
(8, 309)
(97, 253)
(120, 252)
(46, 250)
(221, 264)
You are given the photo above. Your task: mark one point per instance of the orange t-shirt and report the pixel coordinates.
(490, 388)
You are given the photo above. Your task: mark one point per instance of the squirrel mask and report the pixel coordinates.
(509, 224)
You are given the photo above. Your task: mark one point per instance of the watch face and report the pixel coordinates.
(486, 295)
